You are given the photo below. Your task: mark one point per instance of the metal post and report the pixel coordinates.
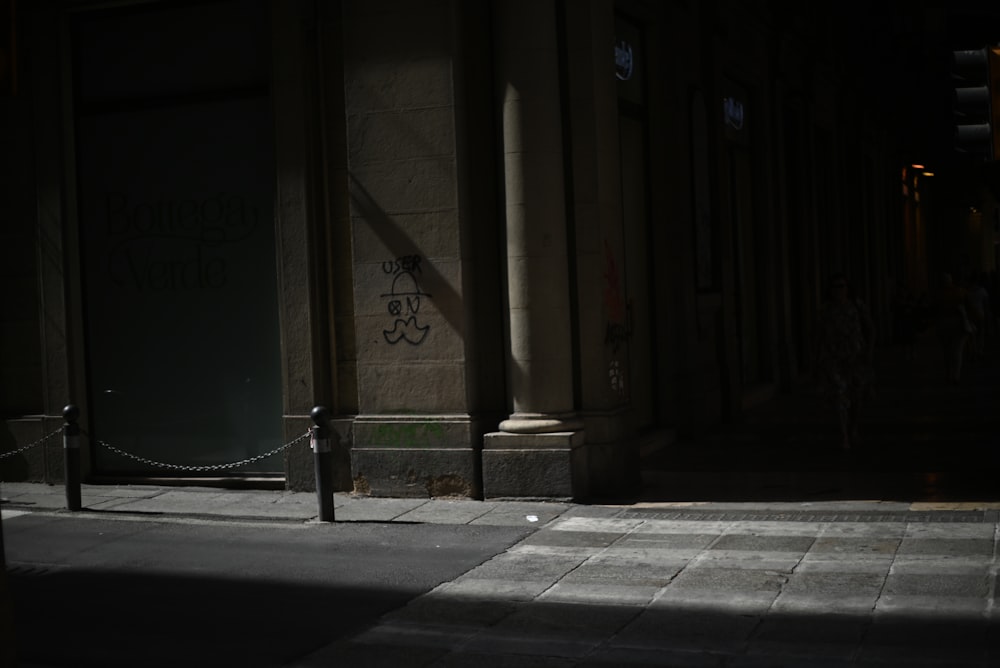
(71, 456)
(323, 460)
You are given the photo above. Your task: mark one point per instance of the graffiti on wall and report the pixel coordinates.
(403, 301)
(616, 375)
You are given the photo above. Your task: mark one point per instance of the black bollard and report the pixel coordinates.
(323, 460)
(71, 456)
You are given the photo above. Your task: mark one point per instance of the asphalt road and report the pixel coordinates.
(123, 592)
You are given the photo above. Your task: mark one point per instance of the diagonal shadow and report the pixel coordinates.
(448, 301)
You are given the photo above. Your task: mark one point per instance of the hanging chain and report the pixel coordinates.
(213, 467)
(4, 455)
(152, 462)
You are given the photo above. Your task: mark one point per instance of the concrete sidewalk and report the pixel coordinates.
(271, 505)
(698, 587)
(153, 501)
(818, 584)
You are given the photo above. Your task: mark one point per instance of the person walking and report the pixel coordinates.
(952, 324)
(905, 321)
(844, 351)
(980, 313)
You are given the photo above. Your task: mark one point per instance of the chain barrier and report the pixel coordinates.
(210, 467)
(319, 436)
(11, 453)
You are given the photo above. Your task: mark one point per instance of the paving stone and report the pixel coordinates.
(845, 563)
(854, 545)
(946, 608)
(687, 628)
(730, 579)
(667, 527)
(518, 514)
(445, 605)
(596, 524)
(982, 530)
(584, 590)
(817, 635)
(834, 583)
(353, 653)
(938, 584)
(860, 529)
(552, 629)
(765, 528)
(554, 619)
(350, 509)
(517, 565)
(124, 491)
(744, 559)
(674, 541)
(496, 589)
(103, 503)
(463, 659)
(439, 511)
(946, 546)
(608, 586)
(832, 604)
(181, 501)
(36, 501)
(927, 637)
(612, 656)
(609, 569)
(933, 565)
(572, 538)
(759, 543)
(524, 551)
(592, 512)
(746, 602)
(424, 635)
(778, 658)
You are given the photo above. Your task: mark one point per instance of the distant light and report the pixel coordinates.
(928, 173)
(734, 113)
(917, 166)
(624, 60)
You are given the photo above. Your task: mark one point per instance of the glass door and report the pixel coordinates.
(175, 178)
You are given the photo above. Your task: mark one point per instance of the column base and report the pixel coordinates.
(535, 465)
(540, 423)
(416, 456)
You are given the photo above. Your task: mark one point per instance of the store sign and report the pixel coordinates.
(624, 60)
(733, 112)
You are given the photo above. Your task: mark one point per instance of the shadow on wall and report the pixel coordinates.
(400, 245)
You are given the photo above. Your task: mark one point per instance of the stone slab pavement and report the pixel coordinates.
(154, 501)
(712, 587)
(821, 584)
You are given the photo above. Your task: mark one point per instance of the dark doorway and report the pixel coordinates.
(175, 178)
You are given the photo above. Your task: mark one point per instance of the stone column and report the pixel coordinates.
(535, 451)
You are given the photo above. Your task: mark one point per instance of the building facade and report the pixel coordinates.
(510, 245)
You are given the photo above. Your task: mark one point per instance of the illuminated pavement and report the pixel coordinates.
(459, 583)
(865, 584)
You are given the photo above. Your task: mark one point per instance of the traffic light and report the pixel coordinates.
(8, 49)
(993, 55)
(975, 73)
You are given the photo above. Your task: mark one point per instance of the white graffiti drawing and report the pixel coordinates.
(617, 377)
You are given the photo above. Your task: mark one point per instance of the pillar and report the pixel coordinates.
(537, 451)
